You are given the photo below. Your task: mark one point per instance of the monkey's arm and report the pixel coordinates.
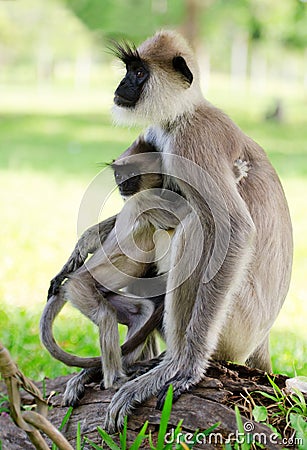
(88, 243)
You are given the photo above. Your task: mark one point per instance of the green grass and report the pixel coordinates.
(50, 150)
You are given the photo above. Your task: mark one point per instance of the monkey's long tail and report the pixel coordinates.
(51, 310)
(54, 307)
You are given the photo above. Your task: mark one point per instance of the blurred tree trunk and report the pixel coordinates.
(258, 74)
(239, 57)
(191, 25)
(191, 29)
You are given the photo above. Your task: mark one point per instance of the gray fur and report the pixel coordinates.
(226, 308)
(81, 289)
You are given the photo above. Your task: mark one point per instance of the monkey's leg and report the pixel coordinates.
(260, 358)
(136, 391)
(142, 316)
(81, 291)
(127, 312)
(133, 312)
(195, 311)
(214, 299)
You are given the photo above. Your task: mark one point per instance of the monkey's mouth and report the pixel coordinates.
(123, 101)
(126, 192)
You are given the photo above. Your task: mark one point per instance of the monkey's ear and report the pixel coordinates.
(181, 66)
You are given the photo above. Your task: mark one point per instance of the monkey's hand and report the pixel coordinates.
(88, 243)
(54, 287)
(75, 261)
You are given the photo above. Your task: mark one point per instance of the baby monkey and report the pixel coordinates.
(86, 288)
(142, 314)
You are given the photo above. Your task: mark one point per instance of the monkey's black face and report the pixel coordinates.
(130, 88)
(127, 179)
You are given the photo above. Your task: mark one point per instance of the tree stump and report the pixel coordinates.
(212, 401)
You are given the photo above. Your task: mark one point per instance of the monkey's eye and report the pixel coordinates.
(140, 73)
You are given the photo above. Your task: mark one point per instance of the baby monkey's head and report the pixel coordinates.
(137, 169)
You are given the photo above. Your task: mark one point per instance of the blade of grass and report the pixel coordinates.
(123, 435)
(140, 437)
(176, 433)
(276, 388)
(151, 444)
(66, 418)
(184, 446)
(44, 388)
(269, 396)
(165, 416)
(108, 440)
(244, 445)
(299, 399)
(210, 429)
(63, 423)
(95, 446)
(78, 440)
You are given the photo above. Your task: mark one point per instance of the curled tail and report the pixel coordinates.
(51, 310)
(54, 307)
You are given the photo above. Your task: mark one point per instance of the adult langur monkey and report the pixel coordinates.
(226, 307)
(141, 315)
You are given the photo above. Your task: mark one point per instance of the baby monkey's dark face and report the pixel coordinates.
(130, 179)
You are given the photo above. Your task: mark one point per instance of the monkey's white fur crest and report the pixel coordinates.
(177, 99)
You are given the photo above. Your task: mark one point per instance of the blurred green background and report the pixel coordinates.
(57, 80)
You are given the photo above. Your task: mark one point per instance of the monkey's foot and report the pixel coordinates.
(117, 382)
(137, 391)
(121, 405)
(156, 381)
(75, 388)
(139, 368)
(180, 385)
